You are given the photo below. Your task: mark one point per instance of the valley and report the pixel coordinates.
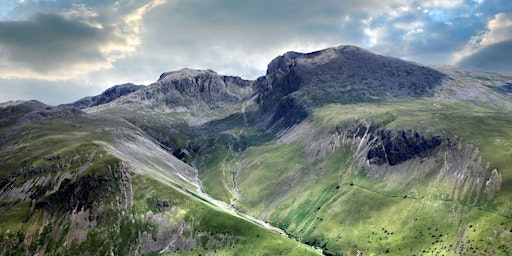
(333, 152)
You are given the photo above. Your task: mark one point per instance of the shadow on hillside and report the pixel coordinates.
(234, 131)
(505, 89)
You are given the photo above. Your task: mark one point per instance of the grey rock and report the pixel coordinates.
(106, 96)
(344, 74)
(191, 89)
(394, 147)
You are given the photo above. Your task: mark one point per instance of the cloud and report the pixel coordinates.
(241, 38)
(107, 42)
(443, 3)
(48, 46)
(482, 51)
(495, 57)
(69, 43)
(424, 31)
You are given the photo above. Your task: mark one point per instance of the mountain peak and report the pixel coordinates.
(320, 57)
(185, 73)
(296, 82)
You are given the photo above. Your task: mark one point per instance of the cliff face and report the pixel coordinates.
(394, 147)
(193, 90)
(345, 74)
(106, 96)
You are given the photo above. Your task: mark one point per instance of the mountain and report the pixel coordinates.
(106, 96)
(190, 90)
(339, 151)
(92, 184)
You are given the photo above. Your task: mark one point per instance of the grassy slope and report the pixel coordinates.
(210, 223)
(314, 201)
(46, 223)
(41, 225)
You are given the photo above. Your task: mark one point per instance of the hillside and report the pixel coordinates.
(99, 185)
(344, 150)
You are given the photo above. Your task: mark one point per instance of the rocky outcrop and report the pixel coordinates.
(394, 147)
(345, 74)
(12, 111)
(191, 89)
(106, 96)
(12, 106)
(287, 113)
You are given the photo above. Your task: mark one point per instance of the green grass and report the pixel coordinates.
(281, 185)
(244, 237)
(78, 142)
(218, 177)
(278, 183)
(330, 202)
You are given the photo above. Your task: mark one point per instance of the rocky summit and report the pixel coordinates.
(336, 152)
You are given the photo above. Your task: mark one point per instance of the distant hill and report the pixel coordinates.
(106, 96)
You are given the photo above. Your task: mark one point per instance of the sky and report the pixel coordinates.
(57, 51)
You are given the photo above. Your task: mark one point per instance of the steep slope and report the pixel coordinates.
(98, 185)
(175, 109)
(105, 97)
(296, 83)
(346, 150)
(192, 95)
(333, 134)
(365, 145)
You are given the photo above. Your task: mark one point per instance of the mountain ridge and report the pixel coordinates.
(343, 61)
(106, 96)
(344, 150)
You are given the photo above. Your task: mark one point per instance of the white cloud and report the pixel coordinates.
(444, 4)
(71, 42)
(499, 29)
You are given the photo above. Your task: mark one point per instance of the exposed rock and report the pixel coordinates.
(106, 96)
(12, 106)
(13, 110)
(493, 184)
(344, 74)
(288, 113)
(191, 89)
(52, 157)
(394, 147)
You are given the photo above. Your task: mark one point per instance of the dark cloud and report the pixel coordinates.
(69, 39)
(48, 41)
(495, 57)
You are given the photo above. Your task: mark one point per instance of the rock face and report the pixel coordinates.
(106, 96)
(394, 147)
(192, 89)
(345, 74)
